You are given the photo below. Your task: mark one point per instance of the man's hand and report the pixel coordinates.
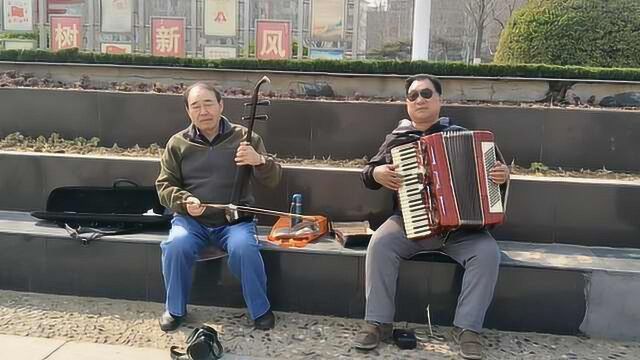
(193, 206)
(386, 176)
(247, 155)
(499, 173)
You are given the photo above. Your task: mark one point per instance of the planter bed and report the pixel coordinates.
(578, 138)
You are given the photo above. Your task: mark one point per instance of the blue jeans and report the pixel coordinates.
(180, 252)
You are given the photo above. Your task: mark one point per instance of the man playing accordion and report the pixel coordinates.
(475, 250)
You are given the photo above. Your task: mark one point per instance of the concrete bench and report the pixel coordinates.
(553, 288)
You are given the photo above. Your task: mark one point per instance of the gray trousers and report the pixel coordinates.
(476, 251)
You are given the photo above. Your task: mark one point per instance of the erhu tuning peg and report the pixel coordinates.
(257, 117)
(260, 103)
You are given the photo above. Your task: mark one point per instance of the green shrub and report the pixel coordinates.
(604, 33)
(19, 35)
(332, 66)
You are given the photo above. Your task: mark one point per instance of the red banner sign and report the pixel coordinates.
(168, 37)
(66, 32)
(273, 39)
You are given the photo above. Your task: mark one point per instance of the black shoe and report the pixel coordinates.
(170, 322)
(265, 322)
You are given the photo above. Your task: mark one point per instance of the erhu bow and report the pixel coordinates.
(243, 172)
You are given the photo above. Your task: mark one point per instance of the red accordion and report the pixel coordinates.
(445, 183)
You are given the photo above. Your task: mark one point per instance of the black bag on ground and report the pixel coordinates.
(90, 212)
(202, 344)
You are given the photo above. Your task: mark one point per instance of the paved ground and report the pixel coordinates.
(33, 348)
(78, 325)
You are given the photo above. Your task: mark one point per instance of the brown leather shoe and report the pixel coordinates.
(470, 343)
(371, 334)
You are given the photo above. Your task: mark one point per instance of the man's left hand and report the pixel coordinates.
(499, 174)
(247, 155)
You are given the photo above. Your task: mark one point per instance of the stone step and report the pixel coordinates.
(586, 212)
(550, 288)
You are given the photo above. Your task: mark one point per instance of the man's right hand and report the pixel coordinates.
(387, 176)
(193, 206)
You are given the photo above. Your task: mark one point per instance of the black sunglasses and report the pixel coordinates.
(426, 94)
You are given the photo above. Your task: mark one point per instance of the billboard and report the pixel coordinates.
(219, 52)
(117, 15)
(328, 54)
(18, 15)
(168, 36)
(17, 44)
(327, 20)
(116, 48)
(220, 17)
(273, 39)
(66, 32)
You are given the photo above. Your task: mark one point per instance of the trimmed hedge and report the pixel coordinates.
(573, 32)
(19, 35)
(331, 66)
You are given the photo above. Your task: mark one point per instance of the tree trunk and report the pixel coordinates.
(477, 47)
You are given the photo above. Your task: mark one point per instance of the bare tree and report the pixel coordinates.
(479, 12)
(442, 47)
(502, 13)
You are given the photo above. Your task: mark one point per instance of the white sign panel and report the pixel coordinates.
(219, 52)
(18, 15)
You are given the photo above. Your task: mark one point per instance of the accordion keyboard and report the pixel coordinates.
(411, 195)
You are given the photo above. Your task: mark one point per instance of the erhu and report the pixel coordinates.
(243, 172)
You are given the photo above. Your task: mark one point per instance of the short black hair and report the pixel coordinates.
(203, 85)
(434, 80)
